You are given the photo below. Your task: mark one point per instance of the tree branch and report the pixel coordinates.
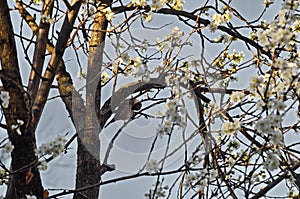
(56, 56)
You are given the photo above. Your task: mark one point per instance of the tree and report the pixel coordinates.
(216, 95)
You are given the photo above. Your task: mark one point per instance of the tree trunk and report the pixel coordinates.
(25, 178)
(89, 170)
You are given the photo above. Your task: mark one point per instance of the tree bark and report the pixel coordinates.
(89, 170)
(40, 50)
(56, 56)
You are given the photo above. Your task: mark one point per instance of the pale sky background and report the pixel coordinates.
(61, 171)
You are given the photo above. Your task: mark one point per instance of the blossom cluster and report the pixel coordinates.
(138, 66)
(234, 57)
(156, 5)
(268, 2)
(37, 2)
(5, 150)
(211, 109)
(199, 180)
(255, 82)
(177, 4)
(42, 166)
(267, 124)
(82, 75)
(159, 191)
(218, 19)
(236, 96)
(46, 19)
(108, 13)
(152, 166)
(135, 66)
(274, 91)
(279, 32)
(174, 115)
(104, 78)
(287, 69)
(3, 178)
(271, 90)
(271, 162)
(270, 125)
(4, 96)
(185, 72)
(172, 40)
(139, 3)
(53, 148)
(175, 37)
(230, 128)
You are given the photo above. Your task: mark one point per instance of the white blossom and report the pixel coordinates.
(236, 96)
(230, 161)
(152, 166)
(190, 180)
(271, 162)
(142, 3)
(82, 75)
(53, 148)
(278, 105)
(172, 103)
(17, 127)
(31, 197)
(276, 137)
(108, 13)
(200, 186)
(263, 38)
(213, 174)
(218, 19)
(145, 44)
(5, 104)
(236, 57)
(46, 19)
(267, 124)
(157, 4)
(255, 82)
(268, 2)
(177, 4)
(230, 128)
(148, 16)
(165, 128)
(37, 2)
(291, 4)
(42, 166)
(104, 78)
(9, 147)
(161, 45)
(296, 26)
(4, 96)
